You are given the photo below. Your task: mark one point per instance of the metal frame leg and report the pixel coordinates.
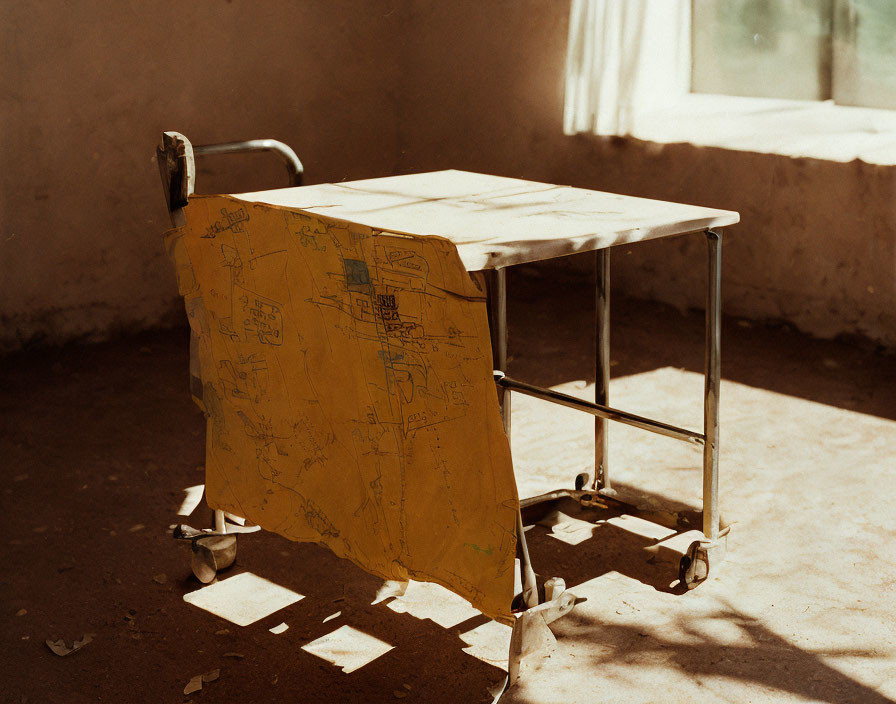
(712, 373)
(500, 304)
(601, 364)
(497, 293)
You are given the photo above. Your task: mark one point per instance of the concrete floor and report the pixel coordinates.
(98, 443)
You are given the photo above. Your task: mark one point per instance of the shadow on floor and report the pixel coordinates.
(769, 663)
(427, 662)
(611, 547)
(552, 341)
(104, 438)
(103, 441)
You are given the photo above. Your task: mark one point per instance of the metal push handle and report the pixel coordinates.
(284, 151)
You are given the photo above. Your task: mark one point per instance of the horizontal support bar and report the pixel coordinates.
(595, 409)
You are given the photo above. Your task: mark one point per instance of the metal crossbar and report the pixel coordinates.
(599, 410)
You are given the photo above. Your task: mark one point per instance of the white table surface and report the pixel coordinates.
(496, 221)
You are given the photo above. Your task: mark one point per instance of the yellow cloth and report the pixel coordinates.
(346, 375)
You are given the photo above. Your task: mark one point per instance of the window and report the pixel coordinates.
(843, 50)
(768, 76)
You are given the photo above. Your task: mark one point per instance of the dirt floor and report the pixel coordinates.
(98, 444)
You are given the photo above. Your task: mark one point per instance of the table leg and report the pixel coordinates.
(500, 338)
(601, 363)
(497, 295)
(712, 373)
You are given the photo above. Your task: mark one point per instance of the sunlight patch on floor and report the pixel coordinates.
(243, 599)
(489, 642)
(425, 600)
(348, 648)
(192, 497)
(567, 529)
(640, 527)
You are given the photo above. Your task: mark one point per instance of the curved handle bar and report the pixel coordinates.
(293, 165)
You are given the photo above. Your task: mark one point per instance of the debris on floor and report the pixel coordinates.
(59, 647)
(390, 588)
(195, 683)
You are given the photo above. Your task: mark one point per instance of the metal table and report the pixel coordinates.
(499, 222)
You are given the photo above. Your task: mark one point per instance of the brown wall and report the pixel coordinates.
(365, 88)
(87, 87)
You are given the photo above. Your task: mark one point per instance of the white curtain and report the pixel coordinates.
(625, 58)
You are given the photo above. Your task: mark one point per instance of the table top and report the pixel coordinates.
(496, 221)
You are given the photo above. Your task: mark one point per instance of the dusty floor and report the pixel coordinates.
(98, 443)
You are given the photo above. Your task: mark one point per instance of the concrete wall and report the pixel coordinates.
(365, 88)
(86, 89)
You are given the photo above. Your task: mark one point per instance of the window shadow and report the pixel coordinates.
(423, 652)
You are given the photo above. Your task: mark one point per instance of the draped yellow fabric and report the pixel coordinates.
(346, 377)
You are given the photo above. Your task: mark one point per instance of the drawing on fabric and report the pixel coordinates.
(230, 220)
(347, 383)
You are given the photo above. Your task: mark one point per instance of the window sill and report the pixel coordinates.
(818, 130)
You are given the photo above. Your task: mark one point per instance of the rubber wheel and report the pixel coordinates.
(694, 566)
(211, 554)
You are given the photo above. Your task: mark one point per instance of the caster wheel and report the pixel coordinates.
(694, 566)
(212, 554)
